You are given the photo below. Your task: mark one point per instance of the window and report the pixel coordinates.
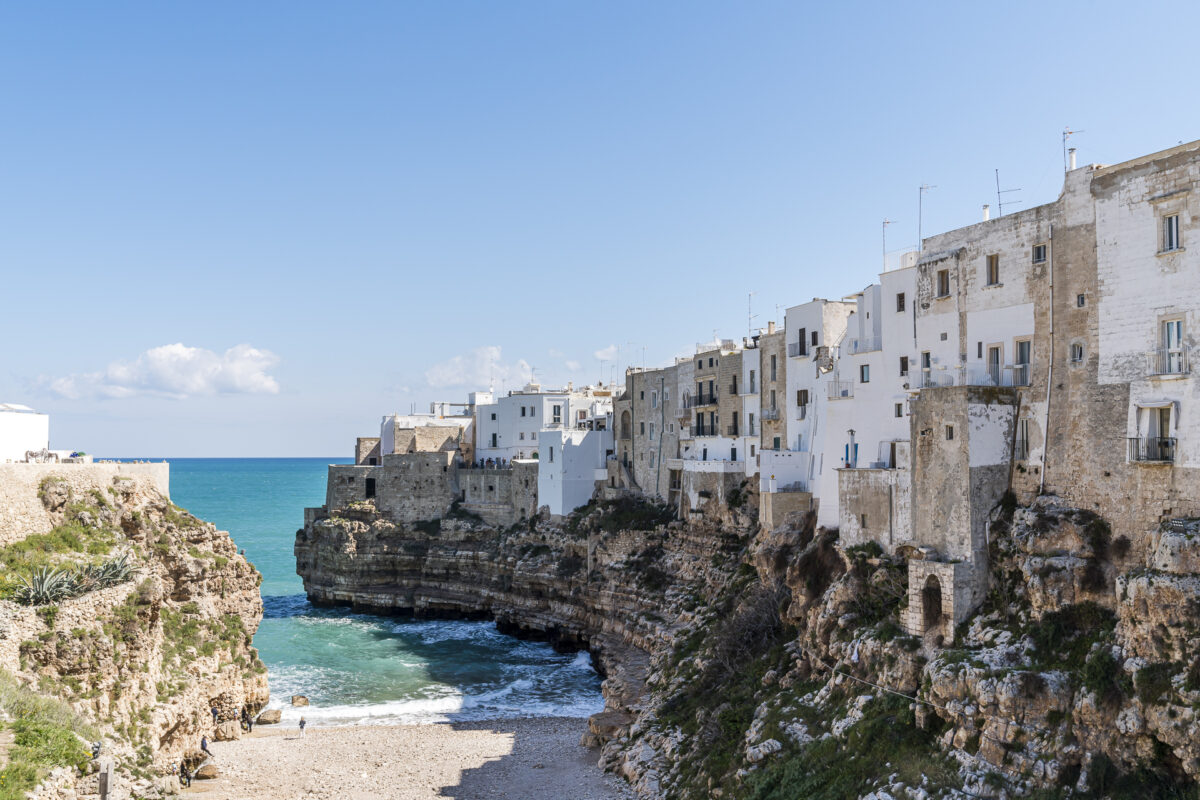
(493, 440)
(1076, 353)
(552, 454)
(582, 415)
(1172, 360)
(652, 459)
(903, 366)
(710, 362)
(773, 398)
(493, 417)
(864, 520)
(943, 283)
(775, 443)
(943, 337)
(900, 301)
(1080, 300)
(993, 270)
(899, 410)
(802, 397)
(949, 432)
(533, 435)
(654, 399)
(802, 340)
(370, 487)
(733, 454)
(979, 349)
(752, 451)
(814, 338)
(521, 436)
(864, 373)
(926, 360)
(642, 395)
(523, 410)
(700, 363)
(773, 367)
(533, 411)
(1039, 254)
(1170, 233)
(751, 388)
(734, 386)
(642, 428)
(652, 431)
(556, 411)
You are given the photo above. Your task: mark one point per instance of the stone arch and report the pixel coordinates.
(931, 603)
(626, 424)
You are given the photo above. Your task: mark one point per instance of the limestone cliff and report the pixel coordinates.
(772, 664)
(152, 630)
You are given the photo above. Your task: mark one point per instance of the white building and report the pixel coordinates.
(22, 430)
(510, 427)
(570, 461)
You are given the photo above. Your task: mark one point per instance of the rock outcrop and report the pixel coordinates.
(146, 651)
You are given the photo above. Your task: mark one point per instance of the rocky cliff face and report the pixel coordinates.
(771, 664)
(142, 652)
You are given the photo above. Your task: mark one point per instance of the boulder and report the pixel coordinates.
(299, 700)
(271, 716)
(228, 731)
(207, 772)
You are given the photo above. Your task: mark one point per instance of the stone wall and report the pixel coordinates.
(501, 496)
(366, 451)
(773, 345)
(22, 512)
(875, 505)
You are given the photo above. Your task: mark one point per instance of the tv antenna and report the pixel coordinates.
(925, 187)
(886, 222)
(1000, 195)
(1067, 134)
(749, 315)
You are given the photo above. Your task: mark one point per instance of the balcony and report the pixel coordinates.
(701, 400)
(866, 345)
(1168, 361)
(801, 412)
(706, 430)
(770, 413)
(1008, 375)
(798, 350)
(1153, 449)
(732, 430)
(841, 390)
(932, 378)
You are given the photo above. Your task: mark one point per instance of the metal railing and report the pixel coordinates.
(706, 430)
(1169, 361)
(794, 486)
(865, 345)
(1008, 375)
(1152, 448)
(732, 430)
(931, 378)
(840, 390)
(798, 350)
(701, 400)
(770, 413)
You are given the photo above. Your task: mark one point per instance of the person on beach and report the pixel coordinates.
(302, 724)
(247, 720)
(214, 713)
(185, 777)
(204, 746)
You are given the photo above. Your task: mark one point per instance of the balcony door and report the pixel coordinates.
(1172, 339)
(1021, 360)
(993, 364)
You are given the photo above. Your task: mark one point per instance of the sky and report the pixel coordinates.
(251, 229)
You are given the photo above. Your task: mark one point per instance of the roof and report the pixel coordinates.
(17, 407)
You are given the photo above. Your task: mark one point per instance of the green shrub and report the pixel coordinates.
(1102, 674)
(1153, 681)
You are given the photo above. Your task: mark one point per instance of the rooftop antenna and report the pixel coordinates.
(749, 315)
(925, 187)
(1000, 195)
(1067, 134)
(886, 222)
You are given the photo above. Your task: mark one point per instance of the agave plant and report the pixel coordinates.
(100, 576)
(46, 585)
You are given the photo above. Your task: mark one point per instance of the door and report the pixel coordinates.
(993, 365)
(1021, 372)
(1173, 346)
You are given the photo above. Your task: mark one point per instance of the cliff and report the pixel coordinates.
(134, 615)
(773, 664)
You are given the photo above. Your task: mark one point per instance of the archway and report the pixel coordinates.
(931, 603)
(626, 425)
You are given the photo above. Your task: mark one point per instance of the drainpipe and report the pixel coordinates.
(662, 429)
(1049, 372)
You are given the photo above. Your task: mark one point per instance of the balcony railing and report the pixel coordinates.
(801, 412)
(1169, 361)
(794, 486)
(1152, 448)
(931, 378)
(865, 345)
(732, 430)
(1008, 375)
(707, 430)
(770, 413)
(701, 400)
(840, 390)
(798, 350)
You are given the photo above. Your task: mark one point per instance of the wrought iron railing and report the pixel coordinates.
(1152, 448)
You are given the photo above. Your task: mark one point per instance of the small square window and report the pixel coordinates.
(944, 337)
(1039, 254)
(899, 410)
(1080, 300)
(949, 432)
(900, 301)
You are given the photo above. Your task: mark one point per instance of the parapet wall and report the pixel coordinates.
(21, 510)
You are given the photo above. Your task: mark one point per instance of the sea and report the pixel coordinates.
(362, 668)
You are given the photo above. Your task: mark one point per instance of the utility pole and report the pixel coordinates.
(886, 222)
(925, 187)
(749, 315)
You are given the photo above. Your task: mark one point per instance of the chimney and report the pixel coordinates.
(1071, 156)
(771, 327)
(987, 212)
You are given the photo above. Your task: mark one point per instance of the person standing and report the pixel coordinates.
(302, 724)
(204, 746)
(215, 714)
(185, 777)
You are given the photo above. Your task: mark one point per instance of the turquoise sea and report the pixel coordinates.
(360, 668)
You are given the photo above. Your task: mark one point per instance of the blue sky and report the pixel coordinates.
(253, 228)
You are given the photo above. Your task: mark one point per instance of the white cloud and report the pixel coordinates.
(477, 369)
(573, 365)
(178, 371)
(607, 354)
